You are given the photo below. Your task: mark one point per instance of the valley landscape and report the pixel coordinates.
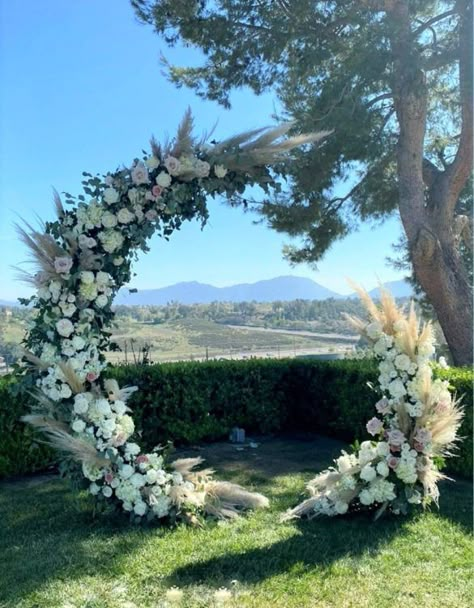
(283, 317)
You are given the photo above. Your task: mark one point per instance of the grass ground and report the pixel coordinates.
(53, 553)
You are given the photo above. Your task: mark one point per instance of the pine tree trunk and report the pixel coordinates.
(440, 271)
(428, 195)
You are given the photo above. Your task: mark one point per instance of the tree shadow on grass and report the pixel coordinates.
(316, 544)
(51, 533)
(319, 543)
(456, 502)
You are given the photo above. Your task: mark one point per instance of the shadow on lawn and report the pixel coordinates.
(51, 533)
(320, 542)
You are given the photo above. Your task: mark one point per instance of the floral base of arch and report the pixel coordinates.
(414, 428)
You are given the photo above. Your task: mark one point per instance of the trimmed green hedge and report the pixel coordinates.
(192, 402)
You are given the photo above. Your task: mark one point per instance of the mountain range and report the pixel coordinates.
(280, 288)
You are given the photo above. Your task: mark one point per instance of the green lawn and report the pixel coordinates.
(53, 553)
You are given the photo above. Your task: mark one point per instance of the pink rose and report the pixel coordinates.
(140, 174)
(62, 265)
(392, 462)
(141, 458)
(109, 477)
(374, 426)
(156, 191)
(91, 376)
(419, 447)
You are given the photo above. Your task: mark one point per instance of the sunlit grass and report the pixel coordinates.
(53, 553)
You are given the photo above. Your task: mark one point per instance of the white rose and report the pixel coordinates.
(101, 300)
(68, 309)
(78, 425)
(118, 261)
(111, 196)
(163, 179)
(382, 469)
(87, 277)
(138, 480)
(152, 162)
(78, 342)
(64, 327)
(94, 489)
(65, 391)
(402, 362)
(107, 491)
(368, 473)
(126, 471)
(151, 476)
(109, 220)
(103, 406)
(172, 164)
(220, 171)
(341, 507)
(125, 216)
(366, 498)
(120, 408)
(140, 508)
(81, 404)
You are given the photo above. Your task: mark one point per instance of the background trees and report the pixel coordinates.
(393, 79)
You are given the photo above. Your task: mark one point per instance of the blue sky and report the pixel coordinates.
(82, 89)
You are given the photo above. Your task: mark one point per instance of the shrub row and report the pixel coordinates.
(192, 402)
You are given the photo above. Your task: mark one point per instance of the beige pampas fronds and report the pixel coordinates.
(304, 509)
(260, 147)
(225, 499)
(60, 438)
(34, 360)
(444, 428)
(185, 142)
(58, 205)
(114, 392)
(75, 383)
(43, 251)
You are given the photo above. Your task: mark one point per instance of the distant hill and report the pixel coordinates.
(8, 303)
(399, 289)
(280, 288)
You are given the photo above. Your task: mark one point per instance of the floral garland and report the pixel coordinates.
(416, 425)
(84, 258)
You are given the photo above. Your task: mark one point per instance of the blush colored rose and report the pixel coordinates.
(140, 174)
(383, 406)
(396, 437)
(156, 191)
(141, 458)
(62, 264)
(374, 426)
(91, 376)
(109, 477)
(172, 164)
(393, 462)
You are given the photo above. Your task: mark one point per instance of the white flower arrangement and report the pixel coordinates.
(416, 425)
(84, 258)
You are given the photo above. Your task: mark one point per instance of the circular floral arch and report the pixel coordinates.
(83, 258)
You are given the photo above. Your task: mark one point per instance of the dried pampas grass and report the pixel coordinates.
(59, 437)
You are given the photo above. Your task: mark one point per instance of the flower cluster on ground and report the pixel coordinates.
(414, 427)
